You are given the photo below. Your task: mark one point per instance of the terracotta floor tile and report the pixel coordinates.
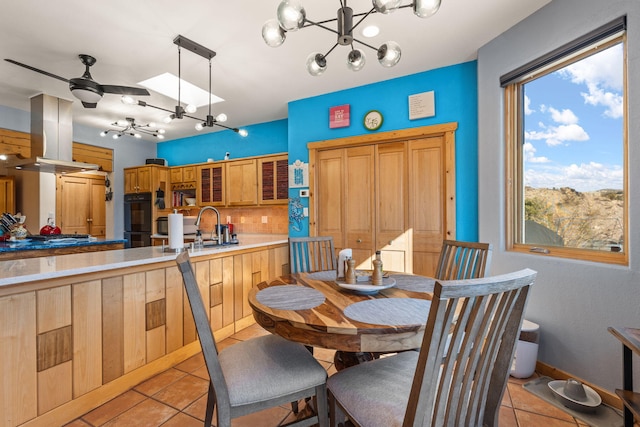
(149, 413)
(77, 423)
(160, 381)
(507, 417)
(114, 407)
(506, 399)
(226, 343)
(250, 332)
(201, 372)
(522, 399)
(530, 419)
(183, 392)
(183, 420)
(198, 408)
(191, 364)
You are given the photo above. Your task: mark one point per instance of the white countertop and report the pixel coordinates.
(27, 270)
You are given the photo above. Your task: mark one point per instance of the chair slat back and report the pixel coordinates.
(309, 254)
(205, 334)
(467, 350)
(463, 260)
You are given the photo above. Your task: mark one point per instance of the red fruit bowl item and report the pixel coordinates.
(48, 229)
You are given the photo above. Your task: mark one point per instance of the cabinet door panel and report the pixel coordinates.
(98, 214)
(144, 180)
(329, 184)
(392, 234)
(426, 200)
(359, 205)
(75, 200)
(242, 183)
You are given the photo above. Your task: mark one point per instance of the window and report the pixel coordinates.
(566, 150)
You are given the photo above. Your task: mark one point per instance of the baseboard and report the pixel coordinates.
(609, 398)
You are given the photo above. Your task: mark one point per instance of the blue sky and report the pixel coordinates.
(574, 125)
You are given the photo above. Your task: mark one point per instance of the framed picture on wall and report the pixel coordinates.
(339, 116)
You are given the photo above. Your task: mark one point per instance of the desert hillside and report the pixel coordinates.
(582, 219)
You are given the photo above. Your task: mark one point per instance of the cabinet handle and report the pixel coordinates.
(391, 242)
(89, 220)
(359, 240)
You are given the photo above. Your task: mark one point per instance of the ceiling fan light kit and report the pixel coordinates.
(130, 127)
(179, 111)
(291, 16)
(85, 88)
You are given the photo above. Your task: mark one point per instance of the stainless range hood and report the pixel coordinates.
(51, 138)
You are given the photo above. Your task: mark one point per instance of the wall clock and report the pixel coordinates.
(373, 120)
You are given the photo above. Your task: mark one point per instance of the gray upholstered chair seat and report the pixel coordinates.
(290, 367)
(388, 379)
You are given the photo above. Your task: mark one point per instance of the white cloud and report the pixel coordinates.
(530, 154)
(603, 76)
(557, 135)
(565, 116)
(584, 177)
(527, 106)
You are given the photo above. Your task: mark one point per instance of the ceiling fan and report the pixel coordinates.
(85, 88)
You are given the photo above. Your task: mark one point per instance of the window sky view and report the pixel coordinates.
(574, 125)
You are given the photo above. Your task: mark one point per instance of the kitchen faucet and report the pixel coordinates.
(217, 229)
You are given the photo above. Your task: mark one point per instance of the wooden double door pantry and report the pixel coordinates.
(392, 191)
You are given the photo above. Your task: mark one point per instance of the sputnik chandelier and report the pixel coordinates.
(291, 16)
(179, 111)
(128, 126)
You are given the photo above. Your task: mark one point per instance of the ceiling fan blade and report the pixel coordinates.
(29, 67)
(89, 104)
(125, 90)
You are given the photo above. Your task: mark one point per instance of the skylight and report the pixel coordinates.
(167, 84)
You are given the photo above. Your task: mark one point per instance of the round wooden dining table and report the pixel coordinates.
(313, 309)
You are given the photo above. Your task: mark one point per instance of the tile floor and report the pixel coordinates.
(177, 397)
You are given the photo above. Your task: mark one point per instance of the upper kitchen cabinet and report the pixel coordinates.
(242, 183)
(137, 179)
(210, 184)
(273, 180)
(183, 185)
(100, 156)
(14, 142)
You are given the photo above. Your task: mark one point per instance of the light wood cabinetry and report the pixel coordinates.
(183, 185)
(273, 180)
(81, 205)
(138, 179)
(70, 344)
(210, 184)
(393, 192)
(14, 142)
(242, 183)
(100, 156)
(7, 195)
(630, 339)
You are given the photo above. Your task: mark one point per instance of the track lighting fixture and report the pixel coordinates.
(129, 126)
(291, 16)
(181, 112)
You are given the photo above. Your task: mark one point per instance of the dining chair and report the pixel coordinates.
(461, 384)
(309, 254)
(463, 260)
(256, 374)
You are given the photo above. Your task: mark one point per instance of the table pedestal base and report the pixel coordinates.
(344, 359)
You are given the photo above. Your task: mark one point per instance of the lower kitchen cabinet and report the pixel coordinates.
(83, 339)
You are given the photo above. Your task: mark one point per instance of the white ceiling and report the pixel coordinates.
(133, 41)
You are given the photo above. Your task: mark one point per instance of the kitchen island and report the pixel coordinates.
(32, 247)
(77, 330)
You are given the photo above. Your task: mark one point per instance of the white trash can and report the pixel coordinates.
(524, 360)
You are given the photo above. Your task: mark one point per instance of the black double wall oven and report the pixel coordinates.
(137, 220)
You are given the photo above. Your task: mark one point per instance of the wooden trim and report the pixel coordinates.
(380, 137)
(608, 398)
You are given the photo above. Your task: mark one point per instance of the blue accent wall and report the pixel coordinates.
(263, 138)
(456, 100)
